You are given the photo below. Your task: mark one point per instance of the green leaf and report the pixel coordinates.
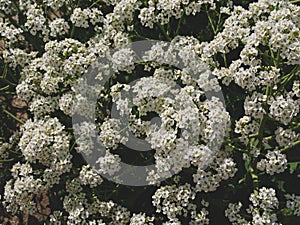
(255, 143)
(293, 166)
(247, 163)
(267, 147)
(242, 180)
(280, 185)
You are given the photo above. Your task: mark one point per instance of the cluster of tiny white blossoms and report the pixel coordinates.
(141, 219)
(6, 147)
(82, 212)
(293, 203)
(175, 201)
(81, 18)
(263, 204)
(58, 27)
(89, 176)
(17, 57)
(20, 190)
(275, 162)
(285, 137)
(161, 12)
(36, 20)
(56, 4)
(245, 126)
(58, 42)
(10, 33)
(46, 142)
(284, 109)
(179, 109)
(222, 168)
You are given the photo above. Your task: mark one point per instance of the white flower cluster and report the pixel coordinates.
(296, 88)
(122, 15)
(175, 202)
(53, 73)
(161, 11)
(192, 125)
(55, 218)
(89, 176)
(275, 162)
(293, 203)
(4, 150)
(263, 204)
(15, 57)
(41, 105)
(265, 199)
(285, 137)
(36, 20)
(180, 110)
(6, 147)
(253, 105)
(82, 212)
(20, 190)
(55, 4)
(246, 126)
(108, 164)
(45, 141)
(284, 109)
(275, 26)
(6, 6)
(141, 219)
(85, 132)
(221, 169)
(11, 34)
(66, 104)
(123, 60)
(58, 27)
(110, 133)
(81, 18)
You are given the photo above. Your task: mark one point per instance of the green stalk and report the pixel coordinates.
(164, 32)
(290, 146)
(6, 160)
(13, 116)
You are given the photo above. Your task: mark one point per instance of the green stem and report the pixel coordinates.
(95, 3)
(286, 79)
(225, 60)
(290, 146)
(253, 135)
(3, 76)
(296, 126)
(72, 31)
(12, 151)
(219, 22)
(8, 82)
(6, 160)
(254, 177)
(140, 36)
(273, 57)
(211, 22)
(13, 116)
(4, 88)
(235, 148)
(164, 32)
(73, 146)
(179, 24)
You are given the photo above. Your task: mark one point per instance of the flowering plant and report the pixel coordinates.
(149, 112)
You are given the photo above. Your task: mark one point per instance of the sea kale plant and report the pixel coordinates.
(150, 112)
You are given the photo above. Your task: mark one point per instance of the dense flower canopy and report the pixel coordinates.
(214, 103)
